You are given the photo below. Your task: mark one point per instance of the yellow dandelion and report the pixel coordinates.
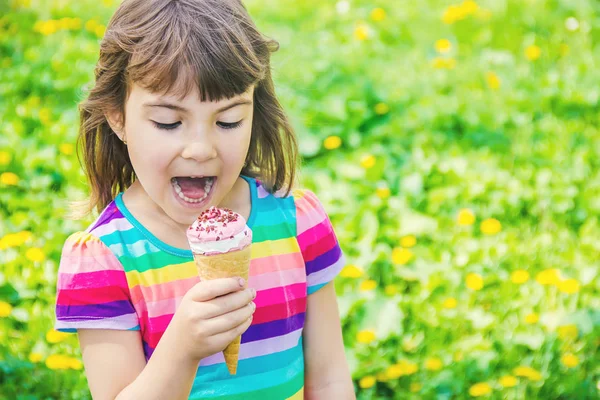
(332, 142)
(569, 286)
(491, 226)
(53, 336)
(66, 148)
(531, 318)
(35, 357)
(465, 217)
(415, 387)
(91, 25)
(527, 372)
(75, 363)
(549, 276)
(449, 303)
(361, 32)
(508, 381)
(452, 14)
(383, 192)
(5, 158)
(367, 382)
(474, 281)
(533, 52)
(9, 179)
(368, 285)
(35, 254)
(100, 30)
(401, 256)
(45, 114)
(75, 23)
(480, 389)
(368, 161)
(58, 361)
(519, 276)
(433, 364)
(408, 241)
(382, 376)
(443, 46)
(5, 309)
(469, 7)
(378, 14)
(391, 290)
(402, 368)
(444, 63)
(366, 336)
(569, 360)
(569, 331)
(382, 108)
(46, 28)
(23, 236)
(351, 271)
(492, 80)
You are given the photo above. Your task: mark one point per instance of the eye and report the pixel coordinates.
(166, 127)
(229, 125)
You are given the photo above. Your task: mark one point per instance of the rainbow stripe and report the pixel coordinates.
(118, 275)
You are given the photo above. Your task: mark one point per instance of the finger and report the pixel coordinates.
(208, 290)
(230, 321)
(230, 335)
(228, 303)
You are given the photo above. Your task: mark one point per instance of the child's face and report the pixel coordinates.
(187, 154)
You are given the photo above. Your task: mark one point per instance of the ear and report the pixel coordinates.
(115, 121)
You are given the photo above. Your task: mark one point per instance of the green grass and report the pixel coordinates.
(397, 138)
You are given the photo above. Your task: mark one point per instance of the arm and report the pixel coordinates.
(325, 377)
(116, 368)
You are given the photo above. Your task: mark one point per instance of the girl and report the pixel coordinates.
(182, 116)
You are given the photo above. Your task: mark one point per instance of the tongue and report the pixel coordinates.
(192, 187)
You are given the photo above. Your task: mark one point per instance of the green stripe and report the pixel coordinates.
(150, 261)
(279, 391)
(284, 230)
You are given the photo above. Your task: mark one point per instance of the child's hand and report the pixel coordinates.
(211, 315)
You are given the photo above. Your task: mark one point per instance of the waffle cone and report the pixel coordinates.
(226, 265)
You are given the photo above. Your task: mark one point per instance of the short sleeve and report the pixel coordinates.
(321, 251)
(91, 288)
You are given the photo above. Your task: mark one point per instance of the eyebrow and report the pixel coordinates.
(176, 107)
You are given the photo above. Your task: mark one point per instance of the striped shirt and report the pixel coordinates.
(118, 275)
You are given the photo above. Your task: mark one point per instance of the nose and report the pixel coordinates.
(199, 150)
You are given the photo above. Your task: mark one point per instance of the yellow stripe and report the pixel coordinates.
(165, 274)
(275, 247)
(298, 396)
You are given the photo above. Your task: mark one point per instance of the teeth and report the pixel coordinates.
(207, 188)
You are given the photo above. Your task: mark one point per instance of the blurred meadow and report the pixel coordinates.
(456, 146)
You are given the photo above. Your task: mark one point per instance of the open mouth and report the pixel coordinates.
(193, 190)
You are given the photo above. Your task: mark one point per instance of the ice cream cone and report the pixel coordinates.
(221, 243)
(226, 265)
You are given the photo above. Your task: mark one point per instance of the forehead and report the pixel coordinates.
(139, 94)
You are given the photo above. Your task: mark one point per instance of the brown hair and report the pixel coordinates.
(172, 46)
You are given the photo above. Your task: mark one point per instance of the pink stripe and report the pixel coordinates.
(306, 219)
(279, 295)
(158, 308)
(279, 278)
(167, 290)
(305, 239)
(78, 263)
(89, 280)
(264, 265)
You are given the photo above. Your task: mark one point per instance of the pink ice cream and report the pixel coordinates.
(217, 231)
